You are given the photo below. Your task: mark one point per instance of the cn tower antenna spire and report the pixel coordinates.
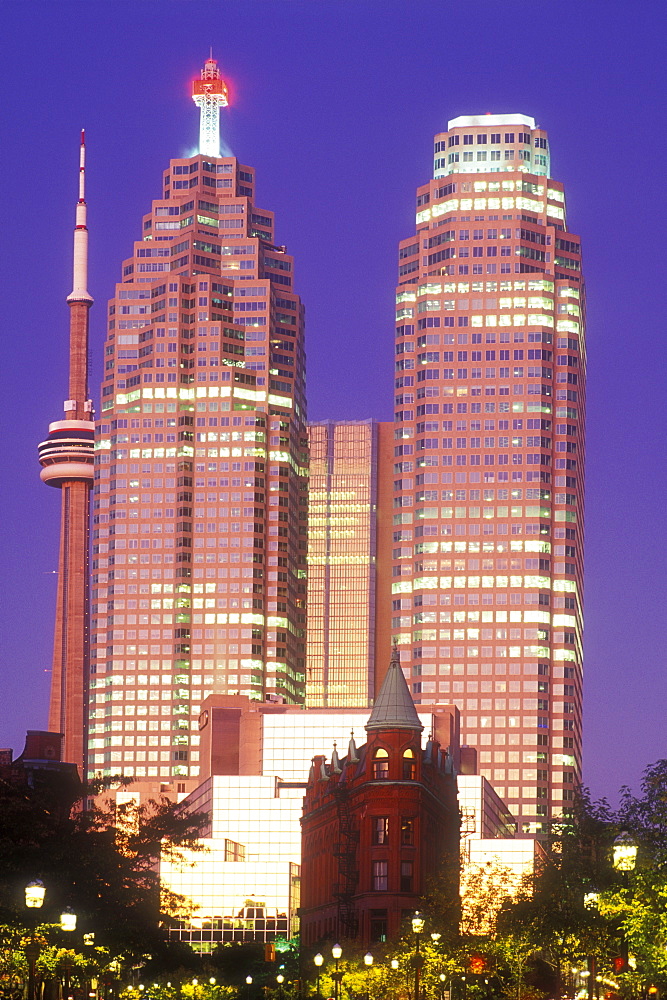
(79, 291)
(210, 94)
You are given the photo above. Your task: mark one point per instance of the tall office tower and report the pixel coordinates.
(199, 517)
(348, 630)
(489, 458)
(66, 458)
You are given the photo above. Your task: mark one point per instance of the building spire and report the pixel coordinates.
(210, 94)
(394, 707)
(79, 291)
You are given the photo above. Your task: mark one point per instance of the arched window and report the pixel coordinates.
(381, 763)
(409, 765)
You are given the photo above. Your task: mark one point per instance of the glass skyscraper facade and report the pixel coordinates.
(199, 530)
(342, 562)
(487, 551)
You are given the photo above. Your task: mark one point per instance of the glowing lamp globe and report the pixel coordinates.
(625, 852)
(34, 894)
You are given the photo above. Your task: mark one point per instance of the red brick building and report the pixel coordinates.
(376, 825)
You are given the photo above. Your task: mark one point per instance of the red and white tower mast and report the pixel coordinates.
(210, 94)
(66, 458)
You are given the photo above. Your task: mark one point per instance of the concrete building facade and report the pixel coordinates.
(67, 457)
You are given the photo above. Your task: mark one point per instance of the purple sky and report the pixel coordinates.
(336, 105)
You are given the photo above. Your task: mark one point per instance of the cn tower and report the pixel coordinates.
(66, 457)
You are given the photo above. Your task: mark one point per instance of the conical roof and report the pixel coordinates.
(394, 707)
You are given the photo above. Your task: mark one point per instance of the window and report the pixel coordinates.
(379, 875)
(409, 766)
(380, 829)
(407, 830)
(379, 922)
(407, 876)
(381, 764)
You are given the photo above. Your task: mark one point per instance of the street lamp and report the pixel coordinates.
(67, 923)
(417, 928)
(34, 897)
(442, 977)
(280, 979)
(248, 984)
(624, 850)
(368, 961)
(318, 960)
(68, 919)
(34, 894)
(337, 976)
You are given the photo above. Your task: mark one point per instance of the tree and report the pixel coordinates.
(579, 911)
(636, 902)
(102, 862)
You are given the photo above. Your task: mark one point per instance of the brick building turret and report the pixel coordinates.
(376, 825)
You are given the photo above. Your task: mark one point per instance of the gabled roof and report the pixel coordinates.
(394, 707)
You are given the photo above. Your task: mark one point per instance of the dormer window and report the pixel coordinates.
(380, 764)
(409, 765)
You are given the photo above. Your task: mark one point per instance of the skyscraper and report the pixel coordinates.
(199, 513)
(66, 458)
(489, 453)
(348, 546)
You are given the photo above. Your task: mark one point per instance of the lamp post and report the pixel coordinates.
(113, 974)
(67, 923)
(280, 979)
(337, 976)
(417, 928)
(318, 960)
(624, 851)
(368, 962)
(248, 984)
(394, 968)
(34, 897)
(442, 977)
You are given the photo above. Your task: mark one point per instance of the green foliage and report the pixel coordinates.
(101, 862)
(577, 910)
(180, 988)
(636, 903)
